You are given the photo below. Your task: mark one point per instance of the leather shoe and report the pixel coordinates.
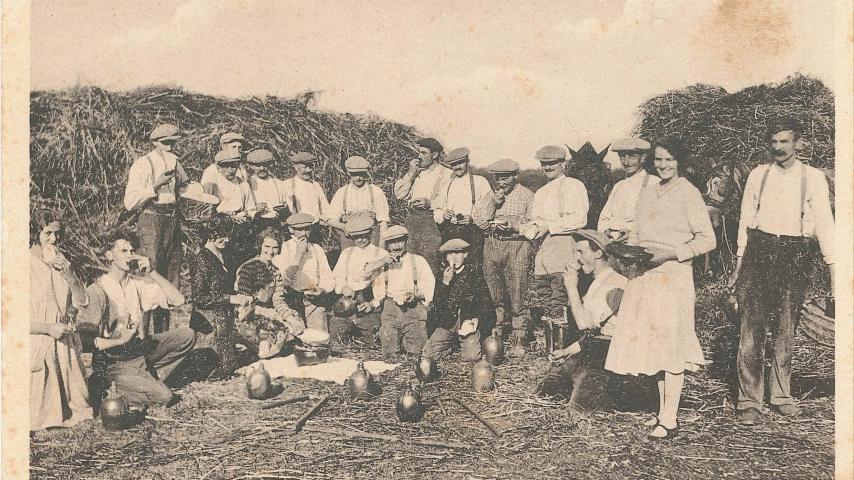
(748, 416)
(788, 409)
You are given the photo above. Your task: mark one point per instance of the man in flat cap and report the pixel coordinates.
(305, 272)
(419, 188)
(617, 218)
(459, 305)
(560, 207)
(354, 272)
(268, 192)
(507, 254)
(358, 197)
(153, 193)
(404, 289)
(455, 202)
(233, 142)
(303, 191)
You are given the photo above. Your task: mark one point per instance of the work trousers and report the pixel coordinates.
(424, 237)
(312, 310)
(441, 341)
(365, 325)
(160, 240)
(506, 266)
(771, 287)
(403, 327)
(141, 380)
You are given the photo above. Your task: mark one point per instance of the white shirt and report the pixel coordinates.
(561, 205)
(309, 272)
(130, 299)
(619, 211)
(425, 184)
(350, 269)
(369, 198)
(309, 197)
(234, 195)
(270, 191)
(780, 208)
(456, 194)
(400, 284)
(145, 171)
(605, 283)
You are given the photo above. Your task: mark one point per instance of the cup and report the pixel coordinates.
(133, 266)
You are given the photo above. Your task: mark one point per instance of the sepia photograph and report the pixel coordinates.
(596, 239)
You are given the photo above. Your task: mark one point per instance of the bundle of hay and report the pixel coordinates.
(83, 141)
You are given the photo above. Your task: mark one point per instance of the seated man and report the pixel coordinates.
(305, 272)
(404, 289)
(460, 304)
(353, 273)
(120, 304)
(596, 310)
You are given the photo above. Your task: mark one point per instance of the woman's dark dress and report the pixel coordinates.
(213, 313)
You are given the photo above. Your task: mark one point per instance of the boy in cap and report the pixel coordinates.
(594, 312)
(617, 218)
(560, 207)
(358, 197)
(268, 192)
(455, 202)
(419, 188)
(305, 272)
(459, 305)
(507, 255)
(404, 289)
(304, 193)
(231, 142)
(154, 183)
(353, 273)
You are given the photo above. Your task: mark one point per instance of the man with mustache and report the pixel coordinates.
(268, 192)
(559, 208)
(154, 184)
(507, 255)
(303, 191)
(359, 197)
(419, 188)
(785, 209)
(404, 289)
(618, 216)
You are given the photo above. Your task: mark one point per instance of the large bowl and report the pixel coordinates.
(313, 347)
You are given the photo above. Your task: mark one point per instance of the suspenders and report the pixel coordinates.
(803, 193)
(294, 196)
(414, 274)
(471, 186)
(347, 190)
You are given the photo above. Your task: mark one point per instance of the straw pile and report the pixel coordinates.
(83, 141)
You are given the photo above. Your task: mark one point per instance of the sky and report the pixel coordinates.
(501, 78)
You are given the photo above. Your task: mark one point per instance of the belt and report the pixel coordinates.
(512, 238)
(420, 210)
(406, 306)
(161, 209)
(777, 238)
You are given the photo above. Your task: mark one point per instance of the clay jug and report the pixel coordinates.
(409, 407)
(482, 376)
(362, 383)
(493, 349)
(258, 383)
(114, 410)
(425, 369)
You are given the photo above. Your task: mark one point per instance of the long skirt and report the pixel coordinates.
(58, 393)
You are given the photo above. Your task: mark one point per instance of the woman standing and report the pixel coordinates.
(213, 295)
(58, 393)
(656, 335)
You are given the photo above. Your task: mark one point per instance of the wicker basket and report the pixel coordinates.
(817, 320)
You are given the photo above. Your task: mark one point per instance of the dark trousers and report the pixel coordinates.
(424, 237)
(160, 241)
(141, 380)
(506, 267)
(771, 287)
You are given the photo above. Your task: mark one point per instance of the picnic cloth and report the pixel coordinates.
(334, 370)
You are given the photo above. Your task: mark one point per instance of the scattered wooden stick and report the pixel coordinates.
(279, 403)
(389, 438)
(478, 417)
(314, 409)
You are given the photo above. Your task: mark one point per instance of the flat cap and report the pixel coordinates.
(630, 144)
(258, 157)
(394, 232)
(600, 239)
(227, 156)
(454, 245)
(301, 220)
(166, 131)
(231, 137)
(505, 165)
(457, 155)
(551, 154)
(302, 158)
(357, 164)
(359, 225)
